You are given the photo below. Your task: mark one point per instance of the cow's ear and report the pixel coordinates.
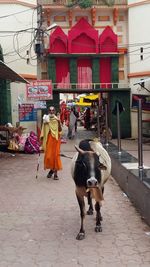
(79, 150)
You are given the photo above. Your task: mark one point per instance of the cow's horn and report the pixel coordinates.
(79, 150)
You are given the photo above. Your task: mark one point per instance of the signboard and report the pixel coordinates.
(39, 90)
(27, 112)
(40, 105)
(145, 101)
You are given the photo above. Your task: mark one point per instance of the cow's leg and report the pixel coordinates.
(98, 227)
(90, 210)
(81, 234)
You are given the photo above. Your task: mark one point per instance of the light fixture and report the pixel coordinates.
(52, 26)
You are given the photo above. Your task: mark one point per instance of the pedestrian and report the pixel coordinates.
(50, 136)
(87, 119)
(71, 125)
(76, 113)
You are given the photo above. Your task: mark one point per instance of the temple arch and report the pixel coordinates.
(58, 41)
(108, 41)
(83, 38)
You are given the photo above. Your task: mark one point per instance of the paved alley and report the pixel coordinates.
(39, 220)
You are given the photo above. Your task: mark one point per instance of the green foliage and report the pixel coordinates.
(108, 2)
(87, 3)
(81, 3)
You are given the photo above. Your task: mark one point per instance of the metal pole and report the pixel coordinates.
(106, 123)
(98, 124)
(140, 145)
(118, 129)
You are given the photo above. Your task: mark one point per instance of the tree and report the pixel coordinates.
(81, 3)
(88, 3)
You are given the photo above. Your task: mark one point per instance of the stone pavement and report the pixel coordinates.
(39, 220)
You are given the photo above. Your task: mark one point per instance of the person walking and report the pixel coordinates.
(50, 136)
(87, 119)
(71, 125)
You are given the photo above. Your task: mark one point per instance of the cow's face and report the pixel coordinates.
(93, 170)
(87, 169)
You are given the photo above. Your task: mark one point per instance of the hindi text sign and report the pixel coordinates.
(39, 90)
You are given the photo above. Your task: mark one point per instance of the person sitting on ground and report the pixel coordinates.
(50, 136)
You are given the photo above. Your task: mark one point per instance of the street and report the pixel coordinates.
(39, 220)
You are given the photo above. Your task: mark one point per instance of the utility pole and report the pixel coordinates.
(39, 46)
(39, 42)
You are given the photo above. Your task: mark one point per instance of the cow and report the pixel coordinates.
(90, 169)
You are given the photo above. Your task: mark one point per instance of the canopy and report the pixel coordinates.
(82, 103)
(91, 97)
(7, 73)
(86, 100)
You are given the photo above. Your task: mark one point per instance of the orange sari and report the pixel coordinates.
(52, 154)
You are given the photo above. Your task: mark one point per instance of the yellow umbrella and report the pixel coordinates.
(92, 97)
(82, 103)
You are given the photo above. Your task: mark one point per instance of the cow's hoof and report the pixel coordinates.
(98, 228)
(80, 236)
(90, 212)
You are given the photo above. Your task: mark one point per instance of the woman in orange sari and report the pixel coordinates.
(50, 136)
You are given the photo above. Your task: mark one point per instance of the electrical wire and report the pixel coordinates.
(33, 31)
(16, 13)
(28, 46)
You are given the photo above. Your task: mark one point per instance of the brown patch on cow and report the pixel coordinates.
(81, 191)
(96, 193)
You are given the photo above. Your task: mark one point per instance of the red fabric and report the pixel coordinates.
(84, 73)
(62, 112)
(62, 72)
(108, 41)
(105, 72)
(83, 44)
(58, 41)
(82, 38)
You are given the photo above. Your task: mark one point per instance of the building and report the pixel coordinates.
(139, 60)
(17, 28)
(88, 52)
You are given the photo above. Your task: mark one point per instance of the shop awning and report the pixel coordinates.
(91, 97)
(82, 103)
(86, 100)
(6, 73)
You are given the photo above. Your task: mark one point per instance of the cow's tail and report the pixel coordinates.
(65, 156)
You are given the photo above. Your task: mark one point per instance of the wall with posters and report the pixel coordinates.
(28, 117)
(27, 112)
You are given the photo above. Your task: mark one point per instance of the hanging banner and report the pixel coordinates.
(39, 90)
